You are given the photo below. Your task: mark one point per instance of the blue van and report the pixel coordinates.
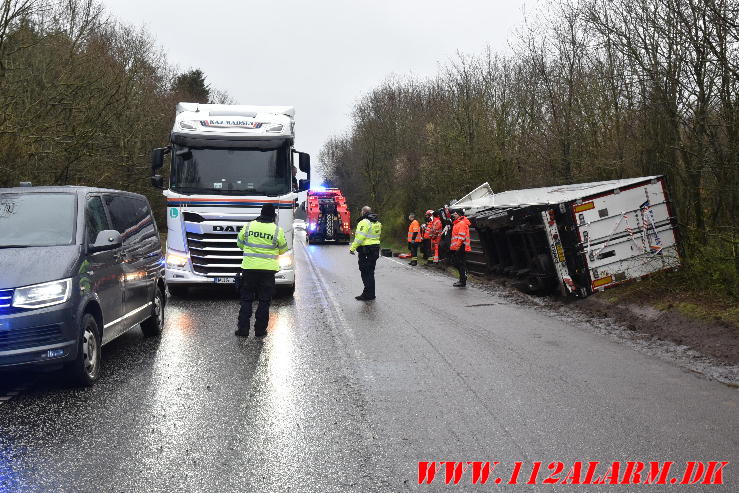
(79, 267)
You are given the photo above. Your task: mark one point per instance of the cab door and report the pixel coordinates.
(100, 272)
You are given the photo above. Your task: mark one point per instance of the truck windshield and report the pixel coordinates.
(37, 219)
(239, 171)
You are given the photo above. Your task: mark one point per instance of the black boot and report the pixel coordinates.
(414, 263)
(460, 284)
(242, 332)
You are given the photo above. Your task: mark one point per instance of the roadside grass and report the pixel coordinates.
(394, 244)
(679, 291)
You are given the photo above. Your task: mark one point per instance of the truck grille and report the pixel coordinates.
(214, 255)
(30, 337)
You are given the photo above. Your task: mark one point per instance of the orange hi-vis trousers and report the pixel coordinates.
(435, 247)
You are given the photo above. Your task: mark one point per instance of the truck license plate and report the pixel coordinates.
(223, 280)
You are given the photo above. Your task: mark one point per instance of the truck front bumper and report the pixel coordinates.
(186, 278)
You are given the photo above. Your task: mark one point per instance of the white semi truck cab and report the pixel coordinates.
(227, 161)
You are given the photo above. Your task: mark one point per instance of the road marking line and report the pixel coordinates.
(343, 326)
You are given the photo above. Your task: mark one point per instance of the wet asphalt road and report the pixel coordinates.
(348, 396)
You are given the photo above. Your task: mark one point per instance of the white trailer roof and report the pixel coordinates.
(483, 196)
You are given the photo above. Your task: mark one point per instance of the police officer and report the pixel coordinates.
(262, 242)
(367, 243)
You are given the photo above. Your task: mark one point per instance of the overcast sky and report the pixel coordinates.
(321, 55)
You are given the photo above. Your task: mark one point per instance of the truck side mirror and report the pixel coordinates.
(157, 181)
(303, 185)
(108, 239)
(304, 162)
(157, 157)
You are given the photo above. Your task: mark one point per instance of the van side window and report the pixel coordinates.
(131, 217)
(95, 218)
(121, 213)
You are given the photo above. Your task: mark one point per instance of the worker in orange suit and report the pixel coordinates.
(434, 232)
(414, 238)
(460, 245)
(426, 235)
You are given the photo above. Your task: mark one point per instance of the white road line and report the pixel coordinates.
(343, 326)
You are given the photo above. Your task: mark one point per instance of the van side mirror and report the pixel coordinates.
(157, 157)
(108, 239)
(157, 181)
(304, 162)
(303, 185)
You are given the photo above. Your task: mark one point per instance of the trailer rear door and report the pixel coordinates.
(626, 234)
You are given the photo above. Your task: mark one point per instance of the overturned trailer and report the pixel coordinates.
(577, 239)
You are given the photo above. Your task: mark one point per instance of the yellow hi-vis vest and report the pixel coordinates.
(262, 243)
(367, 233)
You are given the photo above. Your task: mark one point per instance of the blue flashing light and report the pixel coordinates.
(318, 188)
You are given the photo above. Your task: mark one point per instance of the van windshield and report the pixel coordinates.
(37, 219)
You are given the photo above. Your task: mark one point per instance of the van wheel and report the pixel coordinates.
(85, 370)
(153, 325)
(178, 291)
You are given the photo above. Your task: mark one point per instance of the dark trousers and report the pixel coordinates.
(426, 248)
(368, 256)
(413, 247)
(461, 264)
(256, 285)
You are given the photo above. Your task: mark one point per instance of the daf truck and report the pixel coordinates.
(226, 162)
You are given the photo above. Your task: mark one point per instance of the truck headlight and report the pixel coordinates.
(285, 260)
(176, 259)
(43, 295)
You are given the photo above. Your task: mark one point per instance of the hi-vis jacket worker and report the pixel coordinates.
(263, 242)
(425, 234)
(434, 232)
(460, 245)
(414, 238)
(367, 243)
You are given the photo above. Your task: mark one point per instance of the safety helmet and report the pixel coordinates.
(429, 212)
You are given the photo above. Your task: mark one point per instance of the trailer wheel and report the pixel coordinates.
(541, 278)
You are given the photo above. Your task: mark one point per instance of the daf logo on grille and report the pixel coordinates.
(227, 229)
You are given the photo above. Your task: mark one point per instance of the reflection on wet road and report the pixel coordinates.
(348, 396)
